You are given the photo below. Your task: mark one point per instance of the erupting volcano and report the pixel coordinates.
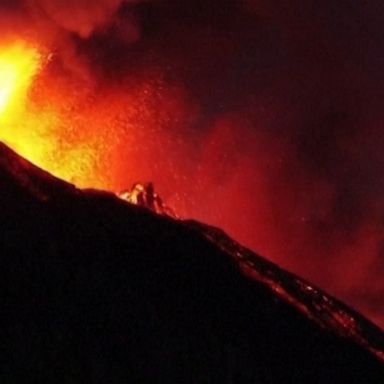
(259, 119)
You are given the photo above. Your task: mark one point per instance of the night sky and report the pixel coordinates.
(269, 118)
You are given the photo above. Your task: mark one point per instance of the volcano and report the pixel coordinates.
(98, 290)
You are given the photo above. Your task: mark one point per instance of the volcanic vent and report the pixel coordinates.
(98, 290)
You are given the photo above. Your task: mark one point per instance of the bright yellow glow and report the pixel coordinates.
(19, 64)
(92, 135)
(36, 125)
(19, 128)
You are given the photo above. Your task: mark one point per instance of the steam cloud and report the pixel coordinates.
(269, 119)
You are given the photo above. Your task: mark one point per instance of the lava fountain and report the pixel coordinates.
(89, 134)
(33, 120)
(19, 64)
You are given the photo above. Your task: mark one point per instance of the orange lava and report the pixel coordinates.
(33, 119)
(19, 65)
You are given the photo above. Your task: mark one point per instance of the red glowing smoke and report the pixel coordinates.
(258, 117)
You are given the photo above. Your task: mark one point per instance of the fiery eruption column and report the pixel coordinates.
(19, 64)
(34, 120)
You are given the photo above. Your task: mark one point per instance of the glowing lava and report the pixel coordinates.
(33, 120)
(19, 64)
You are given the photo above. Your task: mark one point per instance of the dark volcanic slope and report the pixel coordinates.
(94, 290)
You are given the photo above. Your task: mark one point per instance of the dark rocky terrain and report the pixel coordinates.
(95, 290)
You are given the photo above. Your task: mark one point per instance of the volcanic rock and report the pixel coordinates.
(97, 290)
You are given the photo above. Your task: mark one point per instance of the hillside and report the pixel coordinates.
(96, 290)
